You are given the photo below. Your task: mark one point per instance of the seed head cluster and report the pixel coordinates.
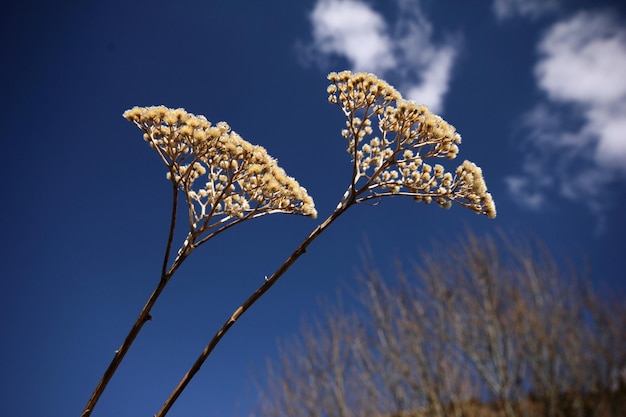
(220, 173)
(391, 162)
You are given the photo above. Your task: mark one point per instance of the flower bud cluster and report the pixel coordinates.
(392, 161)
(359, 93)
(470, 185)
(238, 178)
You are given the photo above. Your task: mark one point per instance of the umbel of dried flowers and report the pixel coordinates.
(222, 175)
(391, 160)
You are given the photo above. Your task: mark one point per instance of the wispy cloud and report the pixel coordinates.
(578, 133)
(505, 9)
(352, 29)
(402, 51)
(584, 63)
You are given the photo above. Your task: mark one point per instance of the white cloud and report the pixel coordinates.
(579, 132)
(526, 194)
(352, 29)
(583, 59)
(435, 79)
(505, 9)
(609, 124)
(403, 52)
(583, 62)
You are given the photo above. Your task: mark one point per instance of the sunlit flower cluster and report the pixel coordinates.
(220, 173)
(392, 162)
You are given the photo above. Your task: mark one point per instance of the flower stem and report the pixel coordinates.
(269, 282)
(144, 316)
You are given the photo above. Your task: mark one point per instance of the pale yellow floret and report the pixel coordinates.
(409, 134)
(241, 178)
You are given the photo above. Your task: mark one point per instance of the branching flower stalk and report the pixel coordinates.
(389, 163)
(224, 181)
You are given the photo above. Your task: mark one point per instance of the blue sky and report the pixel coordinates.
(536, 89)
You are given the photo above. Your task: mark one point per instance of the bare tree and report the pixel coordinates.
(322, 376)
(489, 327)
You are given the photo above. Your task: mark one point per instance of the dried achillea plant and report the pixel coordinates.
(226, 180)
(391, 160)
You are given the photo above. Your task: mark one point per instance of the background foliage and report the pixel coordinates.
(486, 326)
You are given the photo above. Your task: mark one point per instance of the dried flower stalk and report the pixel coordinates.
(224, 180)
(220, 173)
(392, 163)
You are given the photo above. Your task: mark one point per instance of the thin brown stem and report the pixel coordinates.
(170, 236)
(144, 316)
(269, 282)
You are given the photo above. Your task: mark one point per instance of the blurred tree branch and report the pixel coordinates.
(485, 327)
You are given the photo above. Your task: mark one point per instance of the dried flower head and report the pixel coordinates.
(392, 162)
(220, 173)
